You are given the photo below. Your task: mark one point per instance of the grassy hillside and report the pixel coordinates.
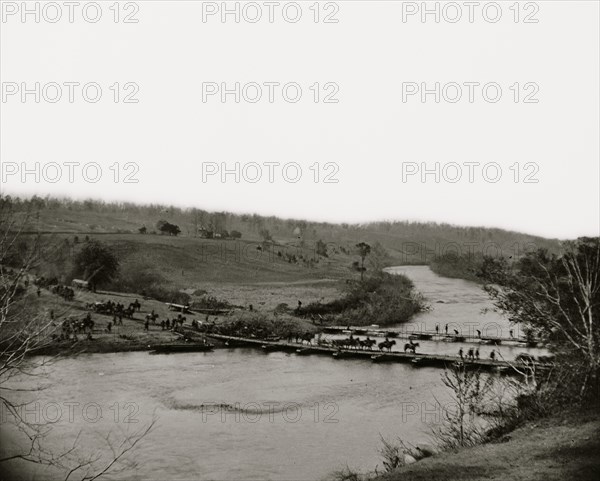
(406, 242)
(553, 449)
(236, 271)
(287, 268)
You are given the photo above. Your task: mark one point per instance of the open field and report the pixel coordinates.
(235, 271)
(185, 261)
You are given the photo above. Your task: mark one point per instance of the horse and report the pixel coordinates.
(368, 344)
(308, 337)
(386, 345)
(134, 306)
(411, 346)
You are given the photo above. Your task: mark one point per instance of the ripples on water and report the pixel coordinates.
(294, 417)
(243, 414)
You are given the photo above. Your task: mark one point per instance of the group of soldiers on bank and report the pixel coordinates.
(71, 326)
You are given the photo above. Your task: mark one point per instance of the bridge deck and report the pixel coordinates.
(426, 335)
(419, 359)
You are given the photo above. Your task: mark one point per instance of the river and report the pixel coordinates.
(463, 305)
(288, 417)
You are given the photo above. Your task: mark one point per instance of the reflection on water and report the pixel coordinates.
(243, 414)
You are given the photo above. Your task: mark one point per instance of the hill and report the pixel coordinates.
(275, 261)
(406, 242)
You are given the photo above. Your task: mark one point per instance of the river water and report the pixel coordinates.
(462, 306)
(241, 414)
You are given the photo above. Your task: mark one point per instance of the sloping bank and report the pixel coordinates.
(553, 449)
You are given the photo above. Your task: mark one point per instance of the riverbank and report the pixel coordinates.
(133, 334)
(107, 336)
(553, 449)
(69, 348)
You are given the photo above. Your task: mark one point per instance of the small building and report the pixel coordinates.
(80, 284)
(205, 233)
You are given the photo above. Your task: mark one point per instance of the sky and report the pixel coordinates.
(346, 111)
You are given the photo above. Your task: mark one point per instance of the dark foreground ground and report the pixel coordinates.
(554, 449)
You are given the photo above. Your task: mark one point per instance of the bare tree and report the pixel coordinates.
(458, 424)
(23, 331)
(364, 250)
(557, 299)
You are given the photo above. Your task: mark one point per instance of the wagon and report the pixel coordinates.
(80, 284)
(178, 307)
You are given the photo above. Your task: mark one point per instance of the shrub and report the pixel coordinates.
(210, 302)
(95, 263)
(458, 267)
(142, 279)
(259, 325)
(381, 299)
(167, 228)
(165, 294)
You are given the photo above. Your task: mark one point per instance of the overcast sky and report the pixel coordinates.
(543, 125)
